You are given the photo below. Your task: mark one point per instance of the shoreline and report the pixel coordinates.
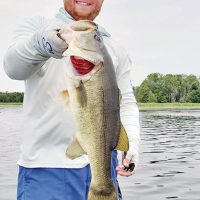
(168, 106)
(10, 104)
(142, 106)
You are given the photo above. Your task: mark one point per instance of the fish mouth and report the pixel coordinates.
(95, 62)
(81, 65)
(92, 56)
(93, 67)
(86, 77)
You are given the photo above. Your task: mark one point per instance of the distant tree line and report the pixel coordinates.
(11, 97)
(156, 88)
(168, 88)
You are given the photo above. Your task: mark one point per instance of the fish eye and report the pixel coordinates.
(97, 36)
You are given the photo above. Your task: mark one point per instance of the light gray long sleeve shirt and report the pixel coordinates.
(48, 126)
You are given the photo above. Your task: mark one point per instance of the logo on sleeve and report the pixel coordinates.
(47, 46)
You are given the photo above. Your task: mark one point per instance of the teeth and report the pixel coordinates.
(82, 3)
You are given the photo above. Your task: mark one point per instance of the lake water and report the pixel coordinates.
(169, 155)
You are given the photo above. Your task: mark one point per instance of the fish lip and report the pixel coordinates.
(95, 61)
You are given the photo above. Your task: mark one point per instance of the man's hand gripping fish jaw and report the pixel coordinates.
(85, 42)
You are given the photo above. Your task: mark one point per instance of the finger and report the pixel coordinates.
(125, 174)
(126, 162)
(58, 34)
(121, 172)
(56, 41)
(66, 35)
(118, 168)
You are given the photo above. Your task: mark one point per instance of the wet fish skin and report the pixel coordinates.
(95, 104)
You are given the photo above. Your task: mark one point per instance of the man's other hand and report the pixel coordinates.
(127, 167)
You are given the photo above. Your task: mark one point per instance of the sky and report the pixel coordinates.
(159, 35)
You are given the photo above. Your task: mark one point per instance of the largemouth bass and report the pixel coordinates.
(94, 100)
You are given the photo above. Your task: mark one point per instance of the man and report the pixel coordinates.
(35, 56)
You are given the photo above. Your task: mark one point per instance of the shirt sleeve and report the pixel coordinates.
(128, 110)
(23, 57)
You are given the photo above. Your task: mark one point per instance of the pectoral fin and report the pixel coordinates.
(74, 150)
(123, 143)
(81, 94)
(64, 96)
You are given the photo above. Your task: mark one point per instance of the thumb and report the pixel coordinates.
(66, 34)
(126, 162)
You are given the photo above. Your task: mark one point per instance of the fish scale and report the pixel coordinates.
(94, 100)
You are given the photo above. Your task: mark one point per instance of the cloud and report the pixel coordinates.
(160, 36)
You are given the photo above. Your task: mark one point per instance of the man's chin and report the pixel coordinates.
(84, 15)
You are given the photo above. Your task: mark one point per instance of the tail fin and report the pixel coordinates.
(105, 193)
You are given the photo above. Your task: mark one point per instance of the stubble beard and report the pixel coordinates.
(77, 16)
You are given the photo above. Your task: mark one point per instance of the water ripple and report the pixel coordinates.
(169, 155)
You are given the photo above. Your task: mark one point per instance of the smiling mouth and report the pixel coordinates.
(83, 3)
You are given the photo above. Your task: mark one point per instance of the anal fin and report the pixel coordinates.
(123, 143)
(74, 150)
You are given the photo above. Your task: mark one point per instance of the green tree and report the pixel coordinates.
(152, 97)
(144, 94)
(153, 80)
(11, 97)
(167, 88)
(192, 83)
(171, 85)
(194, 96)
